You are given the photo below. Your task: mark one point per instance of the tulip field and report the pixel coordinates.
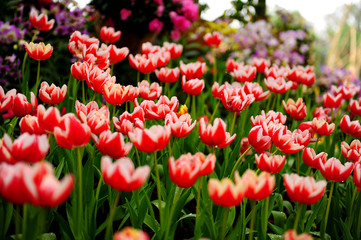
(186, 148)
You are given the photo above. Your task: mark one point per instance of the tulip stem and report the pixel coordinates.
(298, 214)
(244, 117)
(239, 159)
(214, 66)
(214, 111)
(253, 218)
(167, 89)
(111, 215)
(318, 138)
(194, 110)
(224, 223)
(328, 208)
(17, 222)
(147, 76)
(233, 122)
(359, 222)
(80, 193)
(198, 204)
(37, 80)
(83, 91)
(138, 77)
(111, 69)
(174, 204)
(187, 100)
(158, 187)
(138, 159)
(266, 219)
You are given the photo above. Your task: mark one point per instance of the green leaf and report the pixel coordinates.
(279, 218)
(47, 236)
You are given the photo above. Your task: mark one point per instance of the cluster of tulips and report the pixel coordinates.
(200, 181)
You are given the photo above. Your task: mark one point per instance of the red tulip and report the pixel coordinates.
(290, 142)
(333, 170)
(297, 110)
(213, 39)
(22, 107)
(244, 146)
(355, 107)
(96, 56)
(109, 35)
(117, 54)
(174, 49)
(232, 65)
(215, 135)
(208, 163)
(6, 100)
(291, 234)
(271, 164)
(258, 138)
(261, 64)
(331, 101)
(167, 75)
(127, 122)
(30, 124)
(304, 190)
(121, 174)
(352, 128)
(160, 109)
(79, 70)
(235, 99)
(192, 86)
(321, 127)
(151, 92)
(12, 186)
(278, 85)
(244, 73)
(185, 170)
(161, 58)
(307, 126)
(71, 133)
(52, 95)
(129, 233)
(180, 126)
(150, 140)
(310, 158)
(146, 65)
(78, 43)
(39, 51)
(48, 119)
(347, 91)
(256, 90)
(322, 113)
(28, 147)
(353, 151)
(149, 48)
(5, 155)
(40, 21)
(217, 91)
(225, 193)
(112, 144)
(257, 187)
(44, 189)
(276, 72)
(271, 116)
(356, 175)
(97, 79)
(192, 70)
(117, 94)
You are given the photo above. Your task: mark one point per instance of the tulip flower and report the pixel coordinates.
(78, 43)
(97, 79)
(79, 70)
(217, 91)
(174, 49)
(5, 155)
(121, 174)
(310, 158)
(117, 54)
(352, 128)
(225, 193)
(353, 151)
(128, 122)
(355, 107)
(278, 85)
(71, 133)
(232, 65)
(40, 21)
(52, 95)
(6, 100)
(30, 124)
(291, 234)
(144, 64)
(129, 233)
(277, 72)
(208, 163)
(98, 120)
(331, 101)
(244, 73)
(271, 164)
(304, 190)
(22, 107)
(347, 91)
(192, 70)
(112, 144)
(256, 90)
(192, 86)
(29, 148)
(261, 64)
(151, 92)
(12, 185)
(290, 142)
(235, 99)
(109, 35)
(180, 126)
(321, 127)
(307, 126)
(44, 189)
(333, 170)
(150, 140)
(48, 119)
(160, 109)
(215, 135)
(167, 75)
(149, 48)
(98, 57)
(258, 138)
(117, 94)
(271, 116)
(39, 51)
(297, 110)
(322, 113)
(244, 146)
(185, 170)
(213, 39)
(161, 58)
(257, 187)
(357, 175)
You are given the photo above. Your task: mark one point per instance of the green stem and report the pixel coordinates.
(214, 66)
(269, 100)
(318, 138)
(167, 88)
(224, 223)
(215, 110)
(138, 77)
(187, 100)
(17, 222)
(253, 218)
(359, 223)
(158, 187)
(138, 159)
(298, 214)
(37, 80)
(244, 117)
(111, 69)
(328, 206)
(174, 204)
(274, 152)
(83, 91)
(94, 96)
(147, 76)
(194, 111)
(25, 219)
(239, 159)
(298, 163)
(108, 234)
(80, 193)
(198, 204)
(266, 218)
(233, 122)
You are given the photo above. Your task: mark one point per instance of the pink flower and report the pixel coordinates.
(256, 90)
(278, 85)
(190, 10)
(124, 14)
(174, 49)
(192, 70)
(175, 35)
(155, 25)
(297, 110)
(244, 73)
(179, 22)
